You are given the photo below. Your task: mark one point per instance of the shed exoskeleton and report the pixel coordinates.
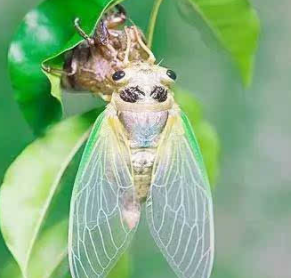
(90, 65)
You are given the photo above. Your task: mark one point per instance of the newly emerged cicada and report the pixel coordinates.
(141, 150)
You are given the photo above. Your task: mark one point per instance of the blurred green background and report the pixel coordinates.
(252, 199)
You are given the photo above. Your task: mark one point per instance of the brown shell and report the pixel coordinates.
(93, 65)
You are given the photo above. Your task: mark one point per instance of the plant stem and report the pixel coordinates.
(152, 23)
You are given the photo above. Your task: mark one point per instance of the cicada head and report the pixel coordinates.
(143, 83)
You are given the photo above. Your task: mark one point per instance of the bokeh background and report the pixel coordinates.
(252, 200)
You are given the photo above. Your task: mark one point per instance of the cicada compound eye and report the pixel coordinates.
(172, 74)
(118, 75)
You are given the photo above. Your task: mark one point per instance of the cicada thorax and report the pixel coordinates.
(90, 65)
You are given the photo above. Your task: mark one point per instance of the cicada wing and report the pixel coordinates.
(104, 210)
(179, 205)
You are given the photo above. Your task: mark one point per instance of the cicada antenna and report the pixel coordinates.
(151, 58)
(159, 63)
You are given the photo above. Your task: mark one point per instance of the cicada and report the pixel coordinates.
(141, 150)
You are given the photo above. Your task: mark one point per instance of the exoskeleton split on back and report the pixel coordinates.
(141, 149)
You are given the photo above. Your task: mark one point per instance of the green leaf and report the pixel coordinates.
(210, 148)
(9, 268)
(206, 134)
(35, 196)
(47, 31)
(234, 23)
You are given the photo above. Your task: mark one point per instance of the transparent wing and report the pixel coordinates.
(104, 211)
(179, 205)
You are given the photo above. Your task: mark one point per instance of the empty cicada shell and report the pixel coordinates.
(90, 65)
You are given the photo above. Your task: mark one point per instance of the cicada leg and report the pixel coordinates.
(151, 57)
(99, 39)
(82, 33)
(59, 72)
(115, 18)
(110, 20)
(128, 46)
(101, 34)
